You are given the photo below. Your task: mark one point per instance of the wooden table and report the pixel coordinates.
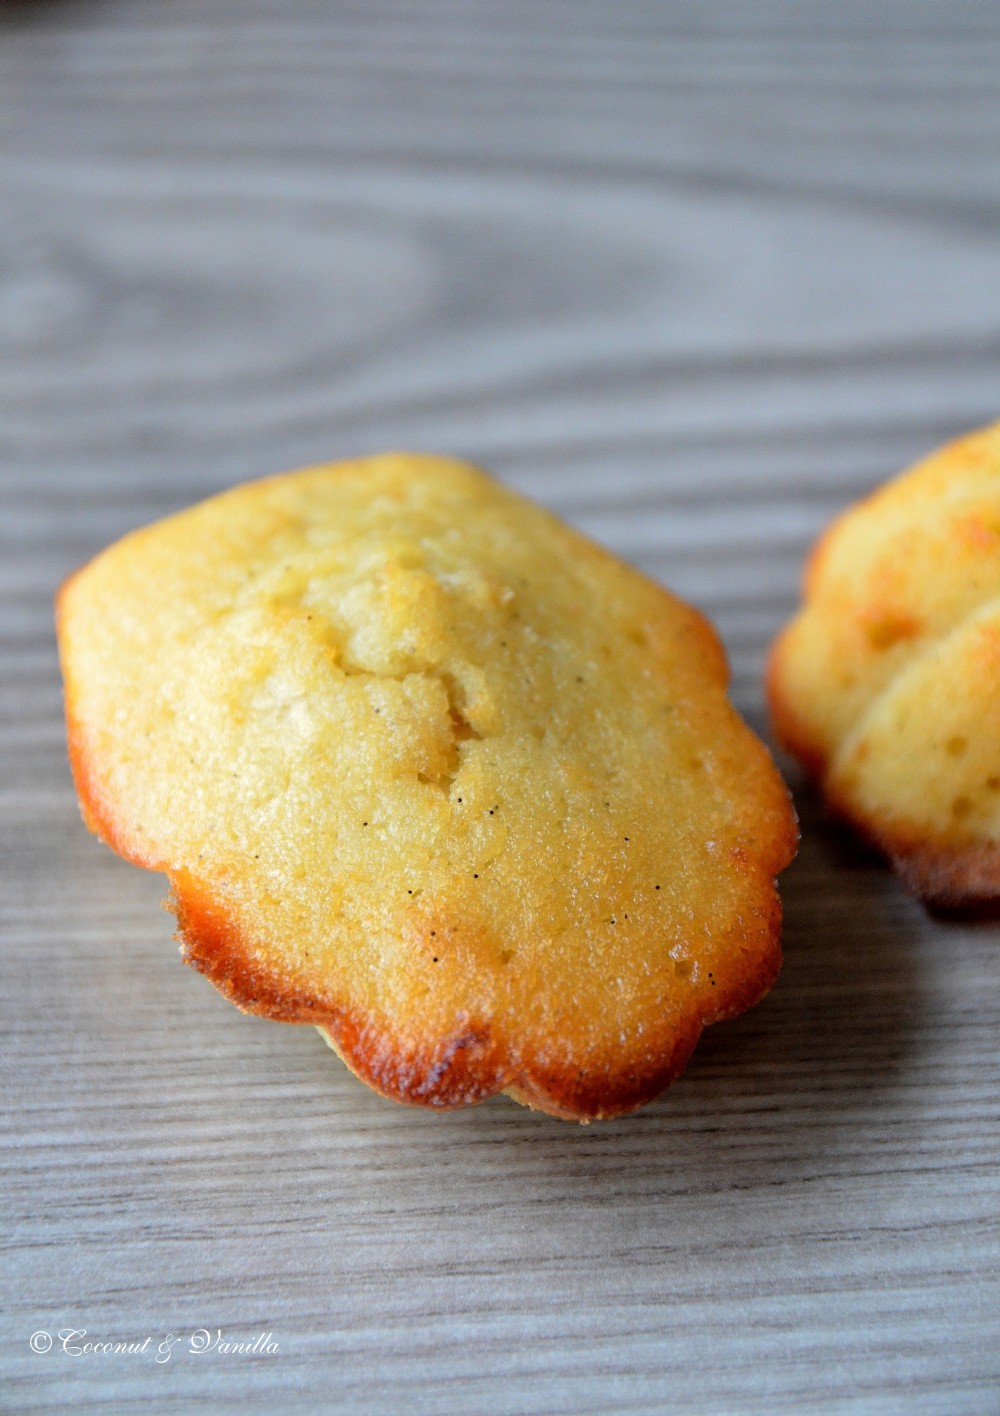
(694, 276)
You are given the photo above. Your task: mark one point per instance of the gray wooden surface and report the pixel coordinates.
(693, 275)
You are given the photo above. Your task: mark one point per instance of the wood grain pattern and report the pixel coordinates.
(692, 276)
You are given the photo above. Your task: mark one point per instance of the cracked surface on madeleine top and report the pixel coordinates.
(887, 683)
(429, 770)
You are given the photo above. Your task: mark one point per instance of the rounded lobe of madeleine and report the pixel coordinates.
(471, 1064)
(886, 685)
(431, 772)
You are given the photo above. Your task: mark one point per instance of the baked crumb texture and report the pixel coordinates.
(431, 771)
(887, 683)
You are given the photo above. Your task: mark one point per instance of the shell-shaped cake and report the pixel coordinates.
(887, 683)
(433, 772)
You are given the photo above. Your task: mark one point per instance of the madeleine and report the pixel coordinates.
(887, 683)
(431, 771)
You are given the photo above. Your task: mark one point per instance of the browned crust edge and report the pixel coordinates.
(467, 1067)
(950, 878)
(943, 874)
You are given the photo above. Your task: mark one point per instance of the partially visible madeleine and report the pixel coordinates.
(433, 772)
(887, 683)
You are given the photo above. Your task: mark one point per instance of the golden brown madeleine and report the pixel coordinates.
(887, 683)
(430, 770)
